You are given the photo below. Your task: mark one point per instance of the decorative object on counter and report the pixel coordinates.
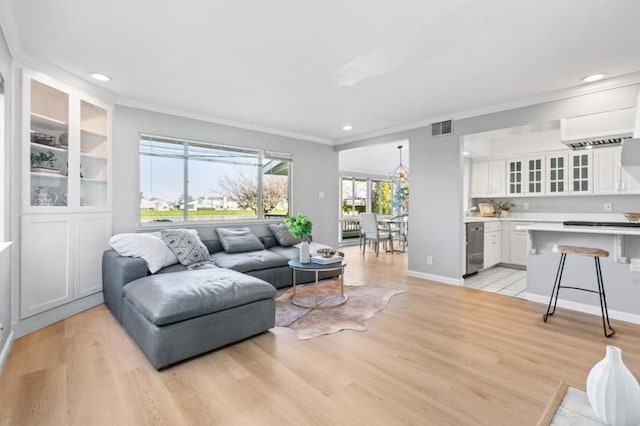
(42, 196)
(613, 392)
(487, 209)
(43, 139)
(326, 252)
(300, 227)
(504, 207)
(633, 217)
(43, 160)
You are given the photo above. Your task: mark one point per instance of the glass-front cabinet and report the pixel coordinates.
(515, 175)
(580, 176)
(66, 148)
(557, 174)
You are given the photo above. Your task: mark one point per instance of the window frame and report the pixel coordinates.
(263, 156)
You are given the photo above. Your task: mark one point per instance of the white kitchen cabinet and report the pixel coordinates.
(535, 176)
(518, 249)
(580, 176)
(556, 174)
(515, 177)
(608, 176)
(488, 179)
(61, 259)
(492, 244)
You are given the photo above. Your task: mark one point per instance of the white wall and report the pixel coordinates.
(315, 166)
(436, 173)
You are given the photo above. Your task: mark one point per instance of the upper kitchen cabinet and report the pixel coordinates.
(608, 176)
(535, 176)
(488, 179)
(580, 176)
(557, 174)
(66, 148)
(515, 177)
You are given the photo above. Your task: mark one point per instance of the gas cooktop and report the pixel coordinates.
(589, 223)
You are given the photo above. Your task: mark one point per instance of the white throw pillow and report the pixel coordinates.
(146, 246)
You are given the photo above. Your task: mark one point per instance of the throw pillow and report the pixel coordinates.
(238, 240)
(146, 246)
(282, 234)
(186, 246)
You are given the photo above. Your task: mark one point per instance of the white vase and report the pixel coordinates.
(613, 392)
(304, 252)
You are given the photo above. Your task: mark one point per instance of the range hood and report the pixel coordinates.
(603, 129)
(630, 156)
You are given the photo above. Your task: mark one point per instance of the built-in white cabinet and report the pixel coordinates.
(518, 248)
(65, 186)
(608, 175)
(492, 244)
(515, 177)
(556, 174)
(488, 179)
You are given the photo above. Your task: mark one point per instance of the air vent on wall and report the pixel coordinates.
(442, 128)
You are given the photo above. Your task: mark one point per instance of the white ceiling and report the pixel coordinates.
(378, 160)
(310, 66)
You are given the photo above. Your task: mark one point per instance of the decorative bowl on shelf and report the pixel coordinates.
(326, 252)
(634, 217)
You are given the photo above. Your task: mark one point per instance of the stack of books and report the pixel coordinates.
(326, 260)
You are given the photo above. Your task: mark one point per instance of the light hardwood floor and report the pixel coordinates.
(438, 354)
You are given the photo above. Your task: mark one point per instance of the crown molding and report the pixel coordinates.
(134, 103)
(556, 95)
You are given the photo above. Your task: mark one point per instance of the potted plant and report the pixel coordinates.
(504, 207)
(300, 227)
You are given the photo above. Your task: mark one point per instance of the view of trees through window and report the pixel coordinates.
(186, 181)
(360, 195)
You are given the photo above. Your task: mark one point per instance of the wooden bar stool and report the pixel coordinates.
(581, 251)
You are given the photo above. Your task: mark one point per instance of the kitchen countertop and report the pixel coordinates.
(550, 217)
(558, 227)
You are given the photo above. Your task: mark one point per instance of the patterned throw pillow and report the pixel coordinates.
(186, 246)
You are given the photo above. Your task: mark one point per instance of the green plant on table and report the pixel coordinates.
(38, 159)
(299, 225)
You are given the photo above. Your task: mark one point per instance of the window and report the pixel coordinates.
(381, 192)
(193, 181)
(354, 196)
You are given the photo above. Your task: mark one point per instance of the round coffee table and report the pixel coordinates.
(295, 265)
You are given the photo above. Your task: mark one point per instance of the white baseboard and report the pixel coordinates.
(6, 349)
(588, 309)
(438, 278)
(36, 322)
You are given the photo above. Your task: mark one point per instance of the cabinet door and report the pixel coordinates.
(580, 176)
(519, 247)
(94, 155)
(479, 179)
(492, 247)
(46, 264)
(46, 129)
(606, 170)
(515, 177)
(557, 174)
(497, 178)
(535, 176)
(93, 231)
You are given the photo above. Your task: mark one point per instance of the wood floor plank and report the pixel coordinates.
(437, 354)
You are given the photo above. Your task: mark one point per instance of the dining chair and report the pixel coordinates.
(372, 232)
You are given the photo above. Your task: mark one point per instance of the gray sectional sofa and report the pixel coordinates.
(178, 313)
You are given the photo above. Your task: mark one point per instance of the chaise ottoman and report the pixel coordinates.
(177, 315)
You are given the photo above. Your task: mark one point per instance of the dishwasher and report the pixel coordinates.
(475, 247)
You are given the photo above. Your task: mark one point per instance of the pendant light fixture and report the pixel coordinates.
(401, 173)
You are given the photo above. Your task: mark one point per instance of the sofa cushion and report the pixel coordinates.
(282, 234)
(238, 240)
(146, 246)
(168, 298)
(250, 261)
(186, 246)
(288, 252)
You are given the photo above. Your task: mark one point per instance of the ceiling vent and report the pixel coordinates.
(442, 128)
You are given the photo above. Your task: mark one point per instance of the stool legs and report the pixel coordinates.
(553, 300)
(603, 301)
(556, 288)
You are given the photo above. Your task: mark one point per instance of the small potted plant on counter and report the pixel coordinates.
(504, 207)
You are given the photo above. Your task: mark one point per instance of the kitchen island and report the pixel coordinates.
(622, 286)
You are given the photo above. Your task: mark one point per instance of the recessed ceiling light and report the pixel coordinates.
(100, 77)
(465, 153)
(593, 77)
(347, 127)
